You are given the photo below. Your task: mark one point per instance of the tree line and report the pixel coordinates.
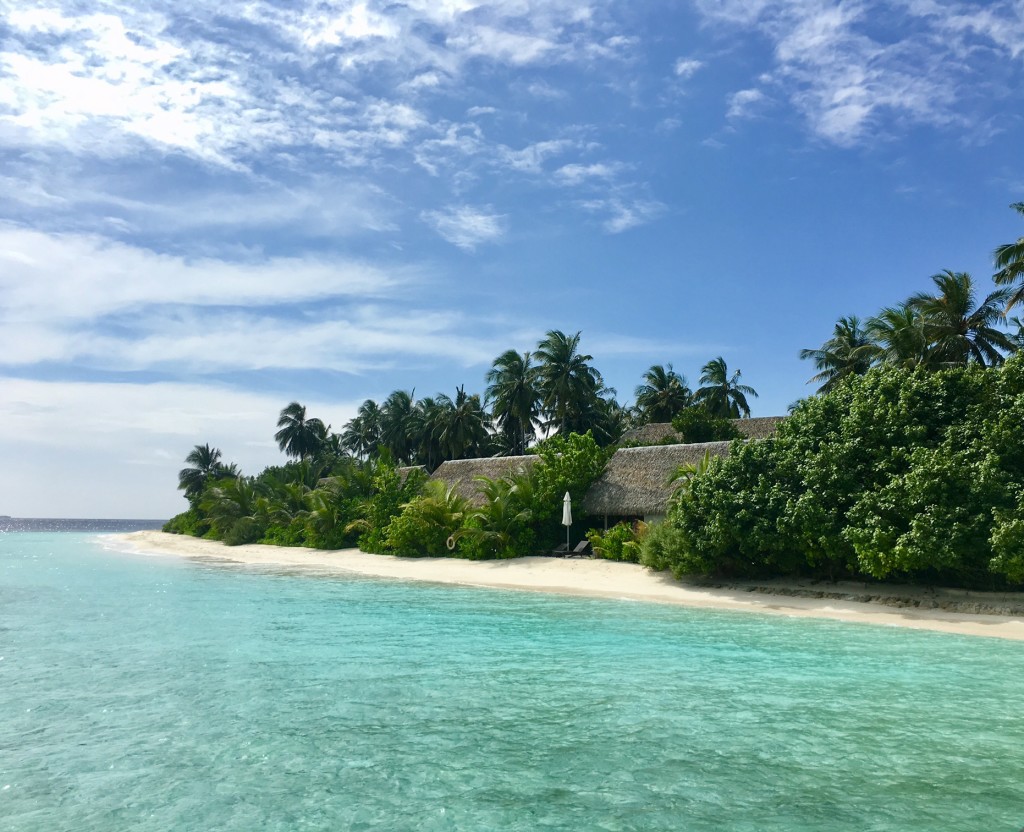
(934, 330)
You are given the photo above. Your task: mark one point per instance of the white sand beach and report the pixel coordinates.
(599, 578)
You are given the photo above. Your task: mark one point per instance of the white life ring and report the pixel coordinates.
(451, 543)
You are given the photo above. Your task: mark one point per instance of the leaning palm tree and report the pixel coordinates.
(512, 392)
(568, 385)
(721, 393)
(957, 330)
(1010, 265)
(204, 467)
(662, 395)
(299, 436)
(846, 353)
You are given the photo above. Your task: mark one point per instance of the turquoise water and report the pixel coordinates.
(149, 693)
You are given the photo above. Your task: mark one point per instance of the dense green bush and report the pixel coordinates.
(897, 473)
(190, 522)
(426, 523)
(567, 463)
(698, 424)
(622, 541)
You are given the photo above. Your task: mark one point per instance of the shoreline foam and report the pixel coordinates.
(605, 579)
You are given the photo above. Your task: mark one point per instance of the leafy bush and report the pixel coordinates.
(897, 473)
(698, 424)
(426, 523)
(189, 522)
(663, 547)
(622, 541)
(567, 463)
(285, 534)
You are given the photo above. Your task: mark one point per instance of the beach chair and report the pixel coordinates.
(580, 551)
(561, 550)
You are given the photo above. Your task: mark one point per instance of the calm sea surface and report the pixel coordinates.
(150, 693)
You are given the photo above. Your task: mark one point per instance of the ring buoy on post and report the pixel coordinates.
(450, 543)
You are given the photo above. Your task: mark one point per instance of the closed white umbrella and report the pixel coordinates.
(567, 516)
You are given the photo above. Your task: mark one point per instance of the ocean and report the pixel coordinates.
(153, 693)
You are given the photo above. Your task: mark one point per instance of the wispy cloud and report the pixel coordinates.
(848, 81)
(467, 227)
(687, 67)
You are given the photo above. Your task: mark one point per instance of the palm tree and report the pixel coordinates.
(204, 466)
(361, 436)
(299, 436)
(722, 394)
(896, 336)
(1010, 264)
(397, 420)
(514, 397)
(957, 331)
(462, 426)
(662, 395)
(568, 385)
(846, 353)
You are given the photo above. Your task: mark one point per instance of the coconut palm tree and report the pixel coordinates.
(397, 425)
(514, 397)
(721, 393)
(204, 466)
(568, 385)
(957, 330)
(896, 336)
(1010, 264)
(462, 426)
(846, 353)
(662, 395)
(299, 436)
(361, 436)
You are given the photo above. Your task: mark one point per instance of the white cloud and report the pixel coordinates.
(75, 277)
(576, 174)
(623, 214)
(118, 447)
(687, 67)
(849, 81)
(467, 227)
(742, 104)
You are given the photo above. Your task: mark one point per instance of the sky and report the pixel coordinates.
(208, 211)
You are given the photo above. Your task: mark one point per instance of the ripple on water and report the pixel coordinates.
(156, 694)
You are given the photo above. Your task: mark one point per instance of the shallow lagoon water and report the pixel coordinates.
(151, 693)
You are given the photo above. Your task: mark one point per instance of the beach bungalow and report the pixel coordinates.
(462, 473)
(758, 427)
(636, 485)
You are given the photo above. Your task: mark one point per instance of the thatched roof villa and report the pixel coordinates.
(758, 427)
(635, 482)
(461, 473)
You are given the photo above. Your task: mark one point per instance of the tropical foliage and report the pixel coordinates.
(898, 473)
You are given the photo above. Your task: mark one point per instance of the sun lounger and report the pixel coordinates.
(580, 551)
(560, 550)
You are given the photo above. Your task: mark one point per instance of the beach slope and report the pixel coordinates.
(906, 607)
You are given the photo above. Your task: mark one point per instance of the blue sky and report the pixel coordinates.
(209, 210)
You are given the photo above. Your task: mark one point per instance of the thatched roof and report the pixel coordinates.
(636, 480)
(460, 473)
(758, 427)
(405, 470)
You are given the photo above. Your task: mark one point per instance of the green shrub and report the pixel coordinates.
(698, 424)
(189, 522)
(426, 522)
(621, 542)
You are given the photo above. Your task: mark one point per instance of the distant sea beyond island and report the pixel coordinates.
(64, 524)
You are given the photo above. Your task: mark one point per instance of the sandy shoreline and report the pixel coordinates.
(594, 578)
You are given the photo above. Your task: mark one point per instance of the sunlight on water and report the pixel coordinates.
(156, 694)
